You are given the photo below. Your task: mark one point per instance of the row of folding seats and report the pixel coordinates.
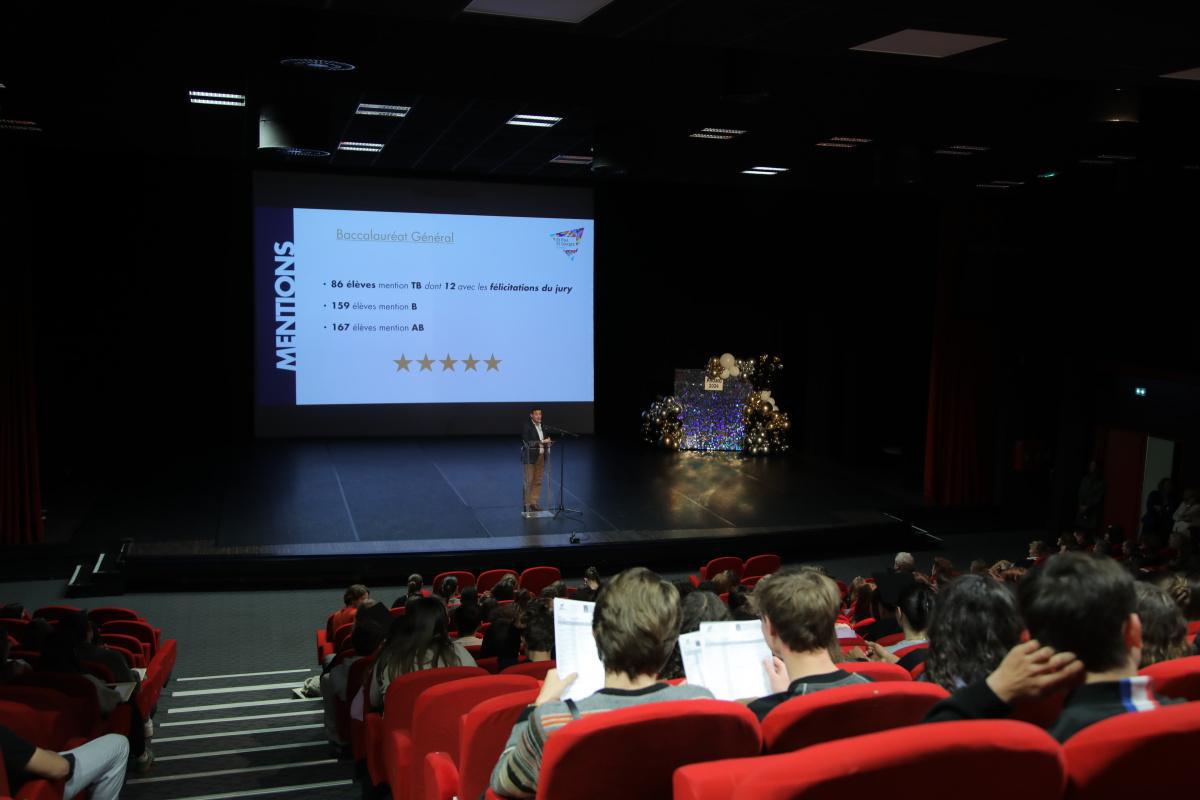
(124, 631)
(422, 710)
(749, 571)
(534, 579)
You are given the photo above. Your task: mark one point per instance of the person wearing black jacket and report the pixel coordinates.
(1081, 612)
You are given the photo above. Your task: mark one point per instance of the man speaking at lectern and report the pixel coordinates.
(533, 457)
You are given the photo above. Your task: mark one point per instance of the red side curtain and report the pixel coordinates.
(20, 492)
(959, 423)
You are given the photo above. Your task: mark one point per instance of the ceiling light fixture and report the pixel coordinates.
(772, 169)
(758, 172)
(853, 139)
(307, 152)
(944, 151)
(361, 147)
(20, 125)
(380, 110)
(534, 120)
(565, 159)
(321, 64)
(216, 98)
(838, 145)
(929, 44)
(708, 136)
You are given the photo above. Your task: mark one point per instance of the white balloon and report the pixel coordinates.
(728, 361)
(734, 370)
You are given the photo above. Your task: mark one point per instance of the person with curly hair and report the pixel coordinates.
(974, 625)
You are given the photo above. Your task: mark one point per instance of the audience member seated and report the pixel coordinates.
(799, 609)
(412, 591)
(973, 626)
(1164, 630)
(978, 567)
(448, 592)
(418, 640)
(86, 649)
(537, 632)
(636, 622)
(467, 618)
(913, 614)
(1187, 515)
(522, 598)
(1082, 614)
(353, 595)
(1039, 551)
(904, 562)
(591, 585)
(367, 635)
(11, 667)
(741, 602)
(882, 599)
(97, 767)
(556, 589)
(505, 588)
(697, 607)
(502, 639)
(725, 581)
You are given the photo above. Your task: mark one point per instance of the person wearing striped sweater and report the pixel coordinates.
(636, 623)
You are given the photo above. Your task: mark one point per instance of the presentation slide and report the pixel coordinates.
(365, 307)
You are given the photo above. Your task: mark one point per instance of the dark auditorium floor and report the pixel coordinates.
(228, 724)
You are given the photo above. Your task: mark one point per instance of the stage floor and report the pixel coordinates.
(456, 495)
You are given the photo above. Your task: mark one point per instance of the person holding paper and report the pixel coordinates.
(533, 457)
(635, 624)
(799, 609)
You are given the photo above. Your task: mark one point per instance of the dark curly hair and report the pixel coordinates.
(974, 624)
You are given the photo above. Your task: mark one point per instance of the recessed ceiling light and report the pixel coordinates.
(838, 145)
(322, 64)
(1184, 74)
(380, 110)
(306, 152)
(772, 169)
(216, 98)
(1048, 174)
(929, 44)
(709, 136)
(851, 139)
(729, 131)
(1117, 157)
(759, 172)
(534, 120)
(20, 125)
(565, 159)
(361, 147)
(996, 185)
(971, 148)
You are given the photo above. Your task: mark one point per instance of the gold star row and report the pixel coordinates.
(469, 363)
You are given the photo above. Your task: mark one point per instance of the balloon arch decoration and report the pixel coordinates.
(726, 406)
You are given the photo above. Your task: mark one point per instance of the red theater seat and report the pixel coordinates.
(398, 705)
(1135, 752)
(757, 566)
(138, 630)
(534, 669)
(987, 759)
(99, 616)
(877, 670)
(847, 711)
(1179, 678)
(537, 578)
(721, 564)
(436, 727)
(55, 613)
(483, 732)
(633, 752)
(129, 644)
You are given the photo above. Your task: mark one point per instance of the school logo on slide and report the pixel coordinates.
(568, 241)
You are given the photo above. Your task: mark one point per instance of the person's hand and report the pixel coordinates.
(856, 653)
(777, 674)
(1030, 670)
(878, 652)
(554, 687)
